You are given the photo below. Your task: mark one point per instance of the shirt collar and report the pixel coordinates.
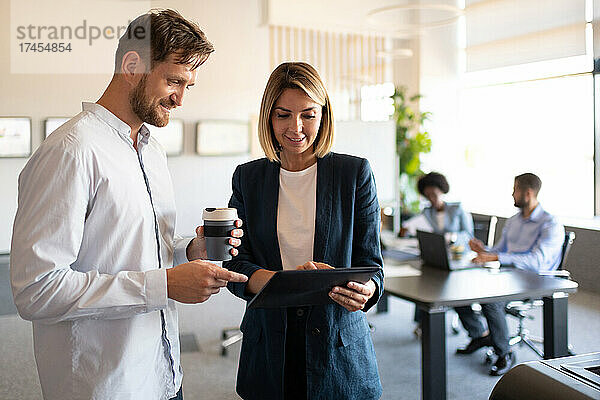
(536, 214)
(118, 125)
(108, 117)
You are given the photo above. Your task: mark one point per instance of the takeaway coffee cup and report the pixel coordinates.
(218, 224)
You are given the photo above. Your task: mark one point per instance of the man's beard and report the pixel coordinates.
(520, 203)
(145, 109)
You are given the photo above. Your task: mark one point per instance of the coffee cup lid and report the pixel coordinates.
(220, 214)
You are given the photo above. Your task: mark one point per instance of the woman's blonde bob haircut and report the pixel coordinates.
(295, 75)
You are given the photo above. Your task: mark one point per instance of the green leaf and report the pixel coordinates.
(411, 140)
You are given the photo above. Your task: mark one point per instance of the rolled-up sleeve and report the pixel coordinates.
(54, 194)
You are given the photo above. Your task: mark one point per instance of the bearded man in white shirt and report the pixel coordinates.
(94, 260)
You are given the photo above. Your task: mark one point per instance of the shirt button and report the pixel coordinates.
(299, 312)
(316, 331)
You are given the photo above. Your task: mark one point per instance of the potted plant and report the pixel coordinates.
(411, 142)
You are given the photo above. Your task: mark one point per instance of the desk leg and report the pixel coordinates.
(433, 354)
(383, 303)
(555, 326)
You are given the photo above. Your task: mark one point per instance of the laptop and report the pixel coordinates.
(434, 253)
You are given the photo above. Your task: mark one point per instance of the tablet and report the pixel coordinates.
(296, 288)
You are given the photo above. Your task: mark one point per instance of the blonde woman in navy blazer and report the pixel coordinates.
(319, 352)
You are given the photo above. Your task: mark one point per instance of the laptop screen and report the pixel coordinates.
(433, 249)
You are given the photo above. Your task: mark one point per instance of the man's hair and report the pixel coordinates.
(295, 75)
(158, 34)
(434, 179)
(529, 181)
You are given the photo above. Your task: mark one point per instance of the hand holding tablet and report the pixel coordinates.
(353, 296)
(307, 287)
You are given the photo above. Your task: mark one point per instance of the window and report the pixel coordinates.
(376, 102)
(525, 104)
(545, 127)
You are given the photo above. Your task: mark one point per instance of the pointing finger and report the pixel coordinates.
(230, 276)
(321, 265)
(310, 265)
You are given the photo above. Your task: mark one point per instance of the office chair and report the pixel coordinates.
(484, 228)
(519, 309)
(229, 336)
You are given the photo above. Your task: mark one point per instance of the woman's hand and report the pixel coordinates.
(196, 249)
(354, 296)
(313, 265)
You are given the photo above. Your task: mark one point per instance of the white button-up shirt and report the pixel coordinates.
(93, 234)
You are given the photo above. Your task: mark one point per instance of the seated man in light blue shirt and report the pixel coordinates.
(531, 240)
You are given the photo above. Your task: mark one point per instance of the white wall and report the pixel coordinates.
(406, 70)
(375, 141)
(440, 87)
(229, 86)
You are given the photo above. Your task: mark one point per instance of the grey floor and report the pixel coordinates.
(208, 375)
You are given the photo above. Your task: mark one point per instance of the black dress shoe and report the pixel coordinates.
(475, 344)
(503, 364)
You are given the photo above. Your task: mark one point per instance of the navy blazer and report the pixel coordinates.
(340, 359)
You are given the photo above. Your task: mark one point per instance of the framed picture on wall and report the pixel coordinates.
(15, 137)
(52, 123)
(170, 136)
(222, 138)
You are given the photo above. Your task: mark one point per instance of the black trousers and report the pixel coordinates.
(294, 373)
(496, 321)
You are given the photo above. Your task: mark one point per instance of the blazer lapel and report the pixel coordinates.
(325, 186)
(270, 203)
(271, 200)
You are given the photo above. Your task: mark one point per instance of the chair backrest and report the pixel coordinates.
(484, 228)
(566, 247)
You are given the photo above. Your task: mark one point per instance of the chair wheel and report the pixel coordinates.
(489, 359)
(223, 351)
(223, 335)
